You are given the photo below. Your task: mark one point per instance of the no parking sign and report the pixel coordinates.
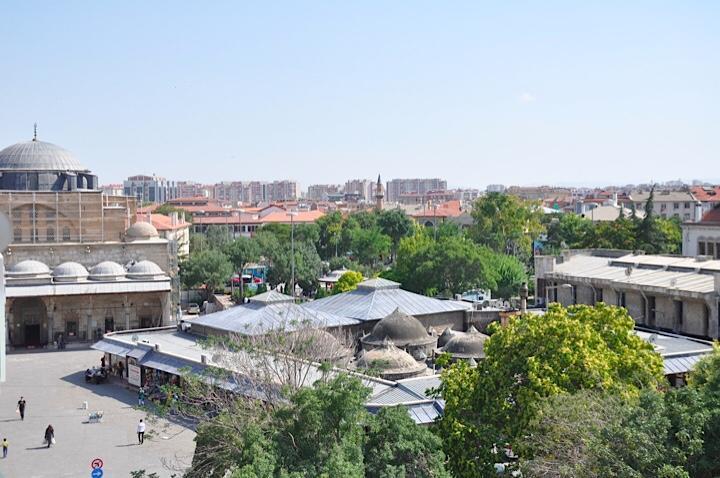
(96, 466)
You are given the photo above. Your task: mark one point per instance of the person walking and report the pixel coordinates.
(141, 397)
(49, 435)
(141, 432)
(5, 445)
(21, 408)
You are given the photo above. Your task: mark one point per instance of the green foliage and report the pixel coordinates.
(218, 237)
(370, 246)
(323, 431)
(396, 447)
(241, 252)
(395, 224)
(347, 282)
(308, 266)
(535, 357)
(506, 224)
(508, 274)
(209, 267)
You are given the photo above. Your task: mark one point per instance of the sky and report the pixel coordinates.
(511, 92)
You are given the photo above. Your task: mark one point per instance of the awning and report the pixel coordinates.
(111, 348)
(137, 354)
(167, 363)
(685, 364)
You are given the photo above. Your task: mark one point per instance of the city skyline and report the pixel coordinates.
(478, 94)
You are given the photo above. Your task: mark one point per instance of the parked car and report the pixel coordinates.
(193, 309)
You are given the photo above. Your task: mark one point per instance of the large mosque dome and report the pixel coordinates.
(39, 166)
(37, 155)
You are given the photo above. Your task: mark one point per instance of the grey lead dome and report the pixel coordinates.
(38, 156)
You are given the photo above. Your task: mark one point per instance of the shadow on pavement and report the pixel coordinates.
(108, 389)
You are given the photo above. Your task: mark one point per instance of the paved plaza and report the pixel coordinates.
(54, 387)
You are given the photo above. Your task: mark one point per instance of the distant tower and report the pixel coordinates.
(379, 195)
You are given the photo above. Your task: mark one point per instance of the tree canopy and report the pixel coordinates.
(209, 267)
(347, 282)
(530, 359)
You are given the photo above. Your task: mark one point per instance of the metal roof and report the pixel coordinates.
(648, 271)
(367, 303)
(111, 348)
(680, 364)
(86, 288)
(259, 317)
(38, 156)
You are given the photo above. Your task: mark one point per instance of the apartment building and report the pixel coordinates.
(398, 187)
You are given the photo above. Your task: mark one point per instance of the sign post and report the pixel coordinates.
(97, 471)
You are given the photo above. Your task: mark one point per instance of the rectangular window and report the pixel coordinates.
(651, 311)
(717, 250)
(50, 235)
(599, 297)
(574, 294)
(679, 312)
(676, 205)
(710, 248)
(17, 235)
(687, 205)
(701, 248)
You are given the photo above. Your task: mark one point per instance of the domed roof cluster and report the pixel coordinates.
(466, 345)
(141, 231)
(402, 329)
(31, 271)
(38, 156)
(390, 361)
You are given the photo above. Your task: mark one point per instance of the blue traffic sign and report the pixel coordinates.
(97, 473)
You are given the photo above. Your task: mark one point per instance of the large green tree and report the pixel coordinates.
(395, 224)
(242, 252)
(534, 357)
(506, 224)
(209, 267)
(370, 246)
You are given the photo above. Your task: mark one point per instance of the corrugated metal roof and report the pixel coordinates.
(257, 318)
(680, 364)
(111, 348)
(87, 288)
(425, 413)
(614, 271)
(374, 304)
(168, 363)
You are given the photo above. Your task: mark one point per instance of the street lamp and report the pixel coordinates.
(292, 215)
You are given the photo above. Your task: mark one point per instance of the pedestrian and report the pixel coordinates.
(5, 445)
(102, 362)
(141, 432)
(49, 435)
(21, 408)
(141, 397)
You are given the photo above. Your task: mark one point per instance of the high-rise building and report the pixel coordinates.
(398, 187)
(364, 189)
(281, 191)
(150, 189)
(191, 189)
(253, 192)
(320, 192)
(228, 192)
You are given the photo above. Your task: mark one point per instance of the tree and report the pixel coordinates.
(506, 224)
(370, 245)
(396, 447)
(508, 274)
(449, 265)
(217, 237)
(330, 234)
(308, 265)
(241, 252)
(347, 282)
(567, 231)
(167, 209)
(209, 267)
(534, 357)
(395, 224)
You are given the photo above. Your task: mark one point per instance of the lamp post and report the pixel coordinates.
(292, 215)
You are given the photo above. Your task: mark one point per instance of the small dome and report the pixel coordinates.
(69, 272)
(471, 344)
(145, 270)
(400, 328)
(445, 337)
(107, 270)
(28, 268)
(141, 231)
(319, 344)
(389, 360)
(38, 156)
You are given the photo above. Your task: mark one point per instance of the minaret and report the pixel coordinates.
(379, 195)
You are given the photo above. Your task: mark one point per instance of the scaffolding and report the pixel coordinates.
(42, 217)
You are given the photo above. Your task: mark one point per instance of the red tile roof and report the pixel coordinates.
(447, 209)
(712, 216)
(706, 193)
(162, 222)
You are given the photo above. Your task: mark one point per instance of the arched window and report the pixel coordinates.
(66, 233)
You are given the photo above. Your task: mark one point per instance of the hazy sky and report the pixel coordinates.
(475, 92)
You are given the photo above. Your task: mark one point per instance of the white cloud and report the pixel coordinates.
(526, 98)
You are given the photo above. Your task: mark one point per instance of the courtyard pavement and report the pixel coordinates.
(54, 387)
